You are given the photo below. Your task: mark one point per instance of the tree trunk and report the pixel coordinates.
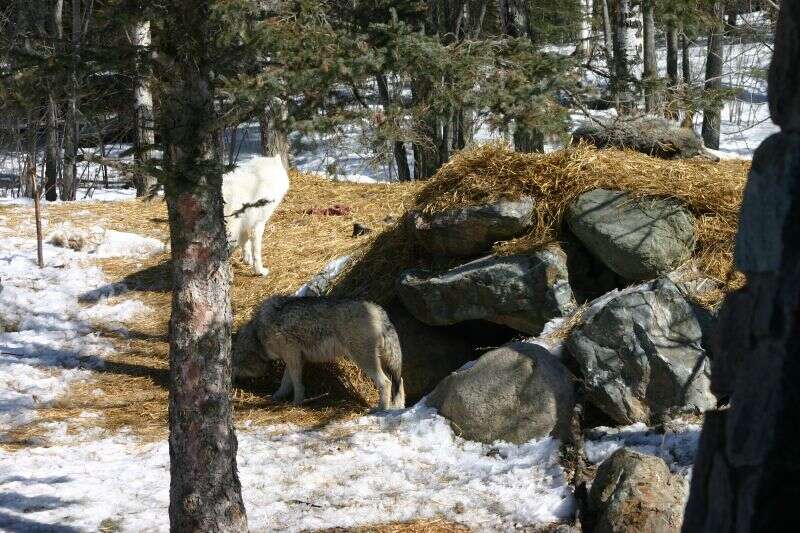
(52, 154)
(671, 107)
(205, 493)
(712, 112)
(72, 129)
(686, 63)
(608, 39)
(627, 55)
(272, 125)
(28, 177)
(144, 181)
(731, 16)
(426, 152)
(744, 477)
(398, 148)
(584, 48)
(528, 140)
(650, 75)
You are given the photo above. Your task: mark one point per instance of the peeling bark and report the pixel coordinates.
(205, 493)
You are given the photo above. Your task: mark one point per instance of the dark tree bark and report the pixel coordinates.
(53, 152)
(671, 108)
(650, 75)
(745, 473)
(70, 180)
(205, 493)
(398, 148)
(686, 64)
(272, 125)
(712, 112)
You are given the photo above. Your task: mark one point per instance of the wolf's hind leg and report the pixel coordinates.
(374, 371)
(255, 240)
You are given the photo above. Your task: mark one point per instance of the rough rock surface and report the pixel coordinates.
(521, 291)
(634, 492)
(637, 239)
(641, 356)
(515, 393)
(469, 231)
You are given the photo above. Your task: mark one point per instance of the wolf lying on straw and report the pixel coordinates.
(252, 192)
(295, 330)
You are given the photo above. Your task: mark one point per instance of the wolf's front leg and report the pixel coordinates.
(285, 389)
(294, 366)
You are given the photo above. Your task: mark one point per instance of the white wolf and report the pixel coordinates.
(252, 192)
(317, 329)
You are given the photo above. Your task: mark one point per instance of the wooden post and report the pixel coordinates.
(37, 213)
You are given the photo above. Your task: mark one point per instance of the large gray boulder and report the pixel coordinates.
(469, 231)
(430, 354)
(638, 239)
(634, 492)
(641, 356)
(515, 393)
(520, 291)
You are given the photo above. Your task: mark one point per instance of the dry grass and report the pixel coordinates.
(711, 191)
(296, 246)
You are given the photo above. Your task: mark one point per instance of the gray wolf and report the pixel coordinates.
(252, 192)
(296, 330)
(650, 135)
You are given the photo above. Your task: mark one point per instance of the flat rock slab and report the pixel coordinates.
(521, 291)
(470, 231)
(641, 356)
(633, 492)
(638, 239)
(515, 393)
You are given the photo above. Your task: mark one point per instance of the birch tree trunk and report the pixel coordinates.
(650, 74)
(205, 493)
(584, 48)
(712, 112)
(745, 475)
(608, 39)
(144, 181)
(627, 55)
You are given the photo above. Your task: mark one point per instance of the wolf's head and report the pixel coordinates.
(248, 355)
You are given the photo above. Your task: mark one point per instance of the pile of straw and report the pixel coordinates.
(711, 191)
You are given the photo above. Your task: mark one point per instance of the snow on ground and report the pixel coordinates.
(677, 445)
(370, 470)
(378, 468)
(48, 339)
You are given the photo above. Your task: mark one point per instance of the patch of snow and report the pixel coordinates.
(372, 469)
(49, 339)
(677, 446)
(123, 244)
